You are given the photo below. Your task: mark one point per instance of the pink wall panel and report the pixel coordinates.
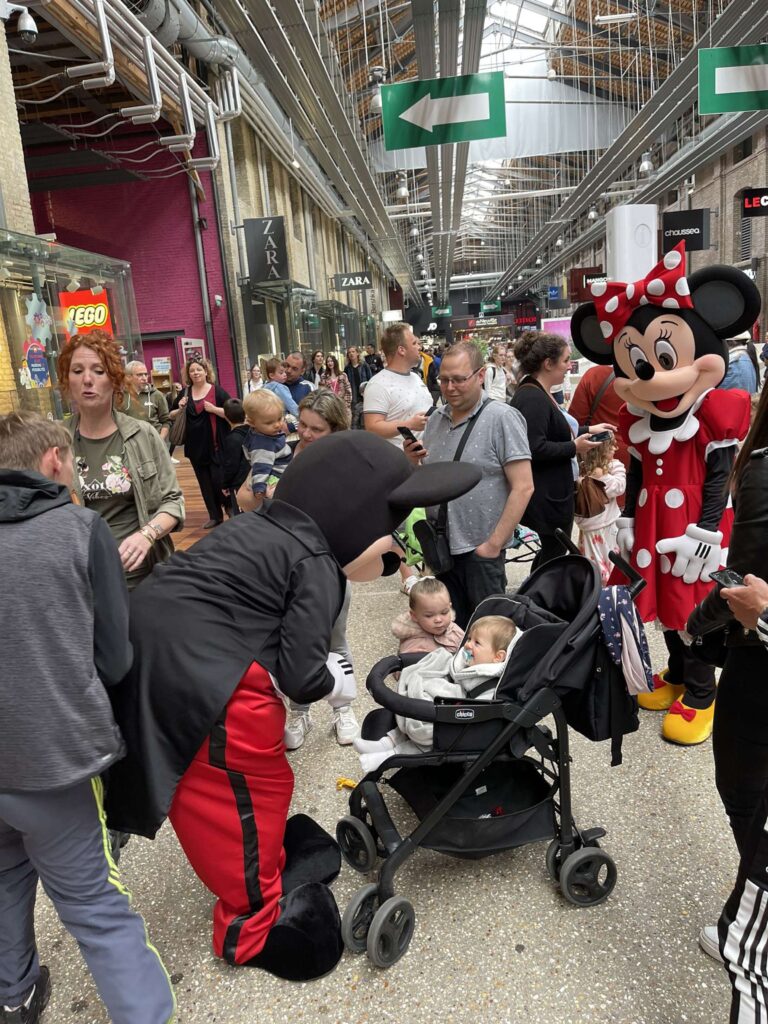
(149, 224)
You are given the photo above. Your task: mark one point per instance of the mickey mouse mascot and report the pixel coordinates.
(664, 336)
(215, 631)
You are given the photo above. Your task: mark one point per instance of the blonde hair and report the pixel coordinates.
(598, 458)
(26, 436)
(496, 628)
(257, 404)
(428, 586)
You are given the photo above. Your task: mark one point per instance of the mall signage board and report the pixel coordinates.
(491, 307)
(83, 312)
(442, 311)
(433, 111)
(553, 291)
(579, 280)
(732, 79)
(689, 226)
(266, 249)
(354, 280)
(754, 202)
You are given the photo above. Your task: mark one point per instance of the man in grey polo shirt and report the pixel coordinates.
(482, 523)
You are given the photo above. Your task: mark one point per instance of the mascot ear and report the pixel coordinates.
(725, 298)
(587, 336)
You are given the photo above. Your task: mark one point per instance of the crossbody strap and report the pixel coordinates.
(599, 397)
(442, 513)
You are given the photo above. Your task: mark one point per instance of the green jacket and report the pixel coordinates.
(155, 486)
(155, 403)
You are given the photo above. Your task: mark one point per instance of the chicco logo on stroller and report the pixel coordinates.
(464, 714)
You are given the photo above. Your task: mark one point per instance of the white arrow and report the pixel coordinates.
(741, 78)
(429, 111)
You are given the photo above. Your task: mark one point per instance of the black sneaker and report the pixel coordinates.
(32, 1008)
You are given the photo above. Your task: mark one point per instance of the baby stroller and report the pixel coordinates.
(525, 544)
(479, 791)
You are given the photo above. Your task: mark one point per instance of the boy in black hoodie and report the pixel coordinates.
(234, 465)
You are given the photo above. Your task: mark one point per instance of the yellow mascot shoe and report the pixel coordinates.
(664, 694)
(688, 726)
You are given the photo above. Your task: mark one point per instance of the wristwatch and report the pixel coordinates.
(762, 626)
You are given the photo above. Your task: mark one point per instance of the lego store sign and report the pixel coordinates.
(754, 202)
(83, 311)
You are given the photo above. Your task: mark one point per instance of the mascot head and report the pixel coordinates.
(358, 488)
(665, 334)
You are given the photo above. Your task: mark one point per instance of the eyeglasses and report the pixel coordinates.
(456, 381)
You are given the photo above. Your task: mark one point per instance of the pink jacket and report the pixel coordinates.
(413, 639)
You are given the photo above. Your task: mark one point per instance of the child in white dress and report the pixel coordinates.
(597, 533)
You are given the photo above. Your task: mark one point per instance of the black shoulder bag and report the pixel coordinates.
(432, 534)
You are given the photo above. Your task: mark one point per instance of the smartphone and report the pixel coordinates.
(408, 435)
(727, 578)
(604, 435)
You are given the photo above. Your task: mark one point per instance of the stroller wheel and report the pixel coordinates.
(358, 916)
(358, 847)
(391, 931)
(587, 876)
(554, 860)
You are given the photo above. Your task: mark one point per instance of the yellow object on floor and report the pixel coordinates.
(663, 697)
(687, 726)
(342, 783)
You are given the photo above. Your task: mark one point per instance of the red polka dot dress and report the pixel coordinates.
(674, 471)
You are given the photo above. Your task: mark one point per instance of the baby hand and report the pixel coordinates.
(596, 473)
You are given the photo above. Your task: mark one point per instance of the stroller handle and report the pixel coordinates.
(408, 707)
(566, 541)
(636, 581)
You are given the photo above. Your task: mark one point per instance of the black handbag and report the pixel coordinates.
(432, 534)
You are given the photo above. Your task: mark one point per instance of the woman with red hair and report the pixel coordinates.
(123, 469)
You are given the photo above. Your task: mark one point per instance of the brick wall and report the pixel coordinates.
(13, 176)
(149, 224)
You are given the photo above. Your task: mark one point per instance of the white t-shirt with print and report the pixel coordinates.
(397, 397)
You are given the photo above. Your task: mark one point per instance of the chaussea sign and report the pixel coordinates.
(754, 202)
(689, 226)
(355, 280)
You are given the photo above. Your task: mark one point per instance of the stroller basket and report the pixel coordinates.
(509, 805)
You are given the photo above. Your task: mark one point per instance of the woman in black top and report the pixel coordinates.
(202, 402)
(544, 361)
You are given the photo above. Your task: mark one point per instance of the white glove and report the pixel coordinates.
(697, 553)
(344, 685)
(625, 538)
(685, 636)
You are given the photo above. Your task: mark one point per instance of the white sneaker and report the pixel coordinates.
(345, 725)
(297, 725)
(408, 582)
(710, 943)
(175, 461)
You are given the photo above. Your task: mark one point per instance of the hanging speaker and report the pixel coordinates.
(631, 236)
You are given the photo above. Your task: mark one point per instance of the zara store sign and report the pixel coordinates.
(266, 249)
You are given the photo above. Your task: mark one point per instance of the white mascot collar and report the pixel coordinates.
(660, 440)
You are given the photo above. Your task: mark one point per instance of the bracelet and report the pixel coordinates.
(148, 534)
(157, 530)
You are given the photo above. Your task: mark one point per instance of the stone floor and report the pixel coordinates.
(494, 941)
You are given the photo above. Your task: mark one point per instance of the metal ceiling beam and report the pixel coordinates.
(742, 21)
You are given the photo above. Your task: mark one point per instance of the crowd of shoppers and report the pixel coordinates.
(497, 415)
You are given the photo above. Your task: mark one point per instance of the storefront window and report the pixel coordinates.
(49, 292)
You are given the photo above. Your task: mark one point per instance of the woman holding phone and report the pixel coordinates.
(741, 723)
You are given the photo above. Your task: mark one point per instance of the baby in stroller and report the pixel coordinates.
(469, 672)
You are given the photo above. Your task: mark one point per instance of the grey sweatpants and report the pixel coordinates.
(60, 837)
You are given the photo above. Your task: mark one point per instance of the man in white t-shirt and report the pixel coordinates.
(396, 397)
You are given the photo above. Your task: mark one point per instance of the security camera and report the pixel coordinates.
(27, 26)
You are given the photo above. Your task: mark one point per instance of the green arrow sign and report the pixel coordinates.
(491, 307)
(442, 311)
(733, 78)
(439, 110)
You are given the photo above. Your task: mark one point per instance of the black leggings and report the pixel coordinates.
(740, 737)
(210, 488)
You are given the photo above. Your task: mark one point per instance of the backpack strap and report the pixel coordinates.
(599, 397)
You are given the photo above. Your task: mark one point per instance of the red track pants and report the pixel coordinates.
(229, 813)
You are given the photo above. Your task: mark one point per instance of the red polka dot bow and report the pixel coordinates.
(665, 285)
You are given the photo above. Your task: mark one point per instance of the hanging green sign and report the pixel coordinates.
(733, 78)
(439, 110)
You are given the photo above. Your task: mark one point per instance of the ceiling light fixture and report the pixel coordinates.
(551, 74)
(646, 168)
(615, 19)
(538, 261)
(559, 242)
(97, 287)
(377, 76)
(592, 215)
(72, 284)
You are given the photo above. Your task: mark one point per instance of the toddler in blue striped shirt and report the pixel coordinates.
(265, 447)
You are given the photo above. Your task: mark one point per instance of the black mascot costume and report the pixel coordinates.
(665, 337)
(215, 631)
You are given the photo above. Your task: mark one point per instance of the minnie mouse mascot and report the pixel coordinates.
(665, 337)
